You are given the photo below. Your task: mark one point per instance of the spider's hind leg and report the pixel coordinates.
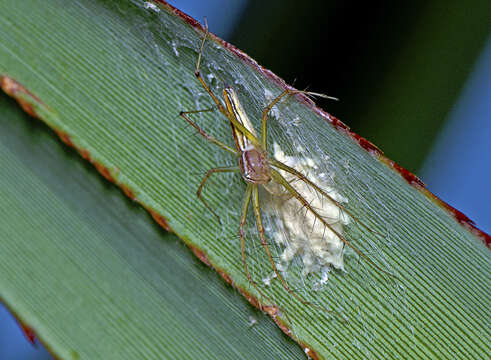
(245, 206)
(277, 177)
(303, 178)
(264, 243)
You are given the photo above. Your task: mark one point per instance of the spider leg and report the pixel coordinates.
(203, 133)
(202, 81)
(220, 106)
(243, 218)
(267, 109)
(281, 180)
(264, 119)
(208, 174)
(264, 243)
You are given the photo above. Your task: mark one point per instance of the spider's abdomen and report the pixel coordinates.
(254, 165)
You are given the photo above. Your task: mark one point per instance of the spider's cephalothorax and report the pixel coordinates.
(254, 165)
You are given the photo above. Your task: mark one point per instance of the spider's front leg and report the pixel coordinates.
(203, 133)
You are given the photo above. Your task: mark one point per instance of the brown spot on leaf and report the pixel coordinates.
(18, 92)
(406, 174)
(160, 220)
(128, 192)
(338, 124)
(309, 352)
(461, 218)
(200, 255)
(84, 153)
(225, 276)
(104, 171)
(64, 137)
(28, 332)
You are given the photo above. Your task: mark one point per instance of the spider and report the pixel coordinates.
(259, 169)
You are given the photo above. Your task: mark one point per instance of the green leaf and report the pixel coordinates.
(110, 79)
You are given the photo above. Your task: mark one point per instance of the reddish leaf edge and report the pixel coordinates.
(31, 335)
